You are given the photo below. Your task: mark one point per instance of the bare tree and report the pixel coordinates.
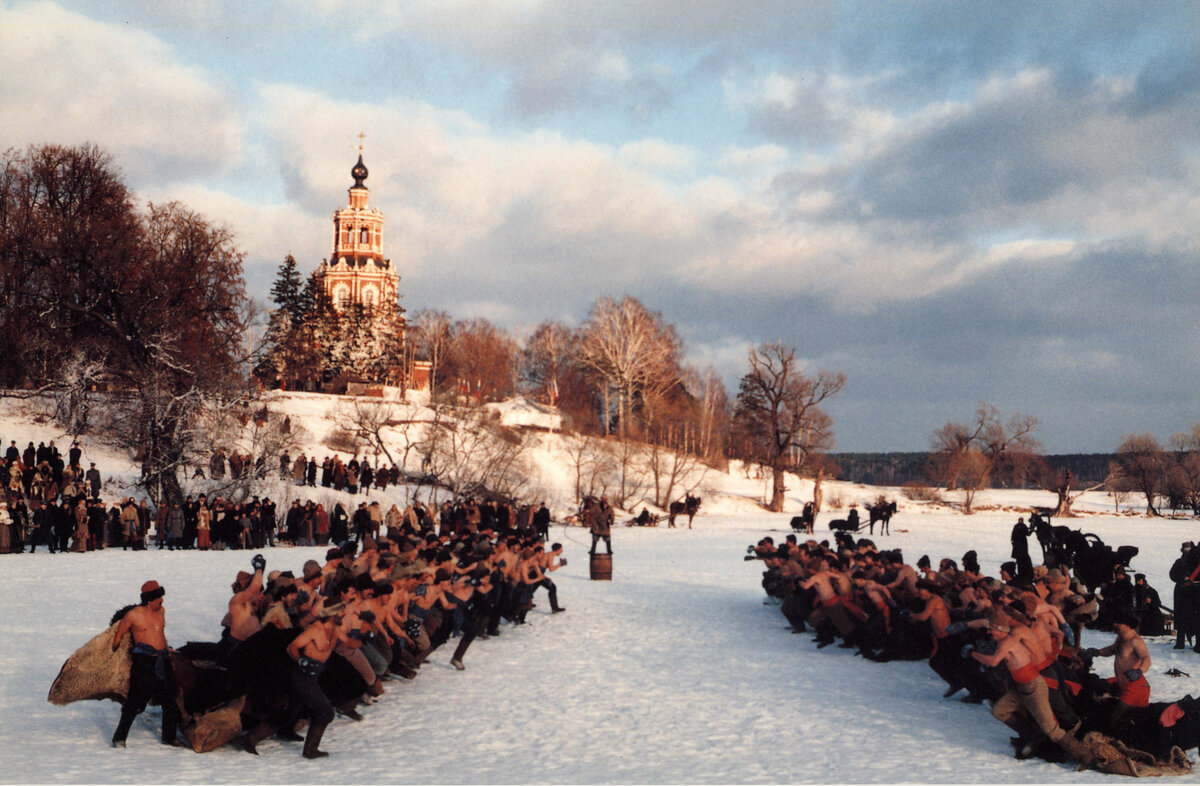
(777, 418)
(629, 349)
(673, 473)
(1060, 481)
(1140, 460)
(548, 354)
(581, 460)
(475, 455)
(620, 470)
(969, 456)
(432, 334)
(235, 428)
(481, 358)
(367, 420)
(713, 431)
(1183, 480)
(974, 473)
(71, 391)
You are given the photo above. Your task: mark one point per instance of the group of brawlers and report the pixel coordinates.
(369, 615)
(1013, 641)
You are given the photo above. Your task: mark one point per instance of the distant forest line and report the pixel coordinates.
(895, 469)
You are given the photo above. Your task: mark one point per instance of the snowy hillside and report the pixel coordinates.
(551, 460)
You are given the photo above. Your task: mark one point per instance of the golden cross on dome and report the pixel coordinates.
(361, 137)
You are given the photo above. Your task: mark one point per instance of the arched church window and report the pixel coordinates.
(341, 295)
(370, 297)
(364, 236)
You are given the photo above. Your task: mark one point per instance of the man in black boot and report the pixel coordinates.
(313, 739)
(547, 563)
(150, 672)
(311, 650)
(825, 636)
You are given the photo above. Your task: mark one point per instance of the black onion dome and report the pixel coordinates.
(359, 173)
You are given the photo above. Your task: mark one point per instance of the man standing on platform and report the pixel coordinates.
(601, 525)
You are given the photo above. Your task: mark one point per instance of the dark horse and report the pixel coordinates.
(689, 505)
(805, 521)
(882, 512)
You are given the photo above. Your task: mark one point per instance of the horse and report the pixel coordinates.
(882, 512)
(688, 505)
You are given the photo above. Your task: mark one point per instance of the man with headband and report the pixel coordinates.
(150, 672)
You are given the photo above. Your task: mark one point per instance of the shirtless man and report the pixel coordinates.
(150, 672)
(906, 577)
(877, 594)
(311, 651)
(829, 609)
(935, 611)
(1028, 698)
(1130, 664)
(546, 561)
(1076, 609)
(351, 649)
(243, 619)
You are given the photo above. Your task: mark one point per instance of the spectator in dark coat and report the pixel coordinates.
(1148, 607)
(1187, 595)
(1020, 550)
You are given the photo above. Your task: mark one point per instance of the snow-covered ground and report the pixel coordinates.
(675, 671)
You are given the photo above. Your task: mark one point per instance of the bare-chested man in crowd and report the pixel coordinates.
(935, 611)
(829, 585)
(311, 650)
(1130, 664)
(243, 617)
(150, 672)
(905, 582)
(1025, 708)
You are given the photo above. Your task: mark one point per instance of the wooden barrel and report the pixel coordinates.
(601, 567)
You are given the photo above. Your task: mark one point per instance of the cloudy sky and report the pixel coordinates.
(952, 203)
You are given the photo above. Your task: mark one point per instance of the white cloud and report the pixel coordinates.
(657, 154)
(457, 192)
(1027, 250)
(71, 80)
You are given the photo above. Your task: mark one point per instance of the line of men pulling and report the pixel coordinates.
(362, 618)
(1014, 643)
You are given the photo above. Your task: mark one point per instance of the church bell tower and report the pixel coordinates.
(357, 272)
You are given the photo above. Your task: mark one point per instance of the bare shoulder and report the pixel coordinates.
(138, 615)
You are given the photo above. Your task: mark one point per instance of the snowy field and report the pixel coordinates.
(676, 671)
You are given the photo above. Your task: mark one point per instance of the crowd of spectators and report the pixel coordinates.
(52, 502)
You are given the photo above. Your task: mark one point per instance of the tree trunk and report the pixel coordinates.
(1063, 508)
(777, 489)
(607, 414)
